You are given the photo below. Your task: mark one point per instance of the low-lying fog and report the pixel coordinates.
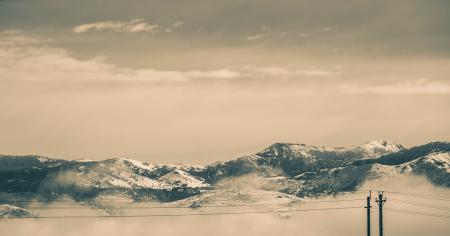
(323, 223)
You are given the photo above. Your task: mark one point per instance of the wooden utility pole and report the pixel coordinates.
(368, 212)
(380, 202)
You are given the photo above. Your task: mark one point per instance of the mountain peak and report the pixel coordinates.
(374, 147)
(382, 144)
(284, 149)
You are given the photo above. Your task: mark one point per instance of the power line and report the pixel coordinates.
(110, 200)
(144, 201)
(236, 194)
(194, 206)
(185, 214)
(436, 197)
(255, 196)
(421, 204)
(418, 213)
(160, 207)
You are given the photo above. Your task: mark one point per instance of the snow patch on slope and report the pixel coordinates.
(439, 159)
(378, 170)
(140, 165)
(181, 177)
(379, 147)
(7, 210)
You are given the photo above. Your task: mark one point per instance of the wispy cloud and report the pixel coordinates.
(27, 59)
(421, 86)
(266, 33)
(14, 37)
(178, 24)
(30, 59)
(257, 37)
(132, 26)
(274, 71)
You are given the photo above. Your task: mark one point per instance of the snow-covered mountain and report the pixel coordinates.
(296, 170)
(7, 211)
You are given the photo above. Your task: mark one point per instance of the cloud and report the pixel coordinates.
(31, 59)
(265, 32)
(27, 58)
(275, 71)
(421, 86)
(15, 37)
(132, 26)
(312, 223)
(256, 37)
(272, 34)
(178, 24)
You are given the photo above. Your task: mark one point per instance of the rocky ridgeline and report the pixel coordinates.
(295, 169)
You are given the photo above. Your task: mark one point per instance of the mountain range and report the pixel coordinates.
(288, 169)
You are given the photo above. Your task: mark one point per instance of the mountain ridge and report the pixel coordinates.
(295, 169)
(44, 157)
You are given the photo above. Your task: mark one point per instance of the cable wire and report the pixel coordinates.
(436, 197)
(185, 214)
(421, 204)
(144, 201)
(199, 206)
(418, 213)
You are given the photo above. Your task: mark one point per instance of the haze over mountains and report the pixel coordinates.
(285, 170)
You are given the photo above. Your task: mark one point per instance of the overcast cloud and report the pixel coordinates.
(167, 81)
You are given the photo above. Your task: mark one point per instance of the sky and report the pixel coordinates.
(202, 81)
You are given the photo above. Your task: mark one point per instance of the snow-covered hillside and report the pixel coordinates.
(296, 170)
(7, 210)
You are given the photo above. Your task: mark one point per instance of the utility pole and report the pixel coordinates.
(368, 212)
(380, 201)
